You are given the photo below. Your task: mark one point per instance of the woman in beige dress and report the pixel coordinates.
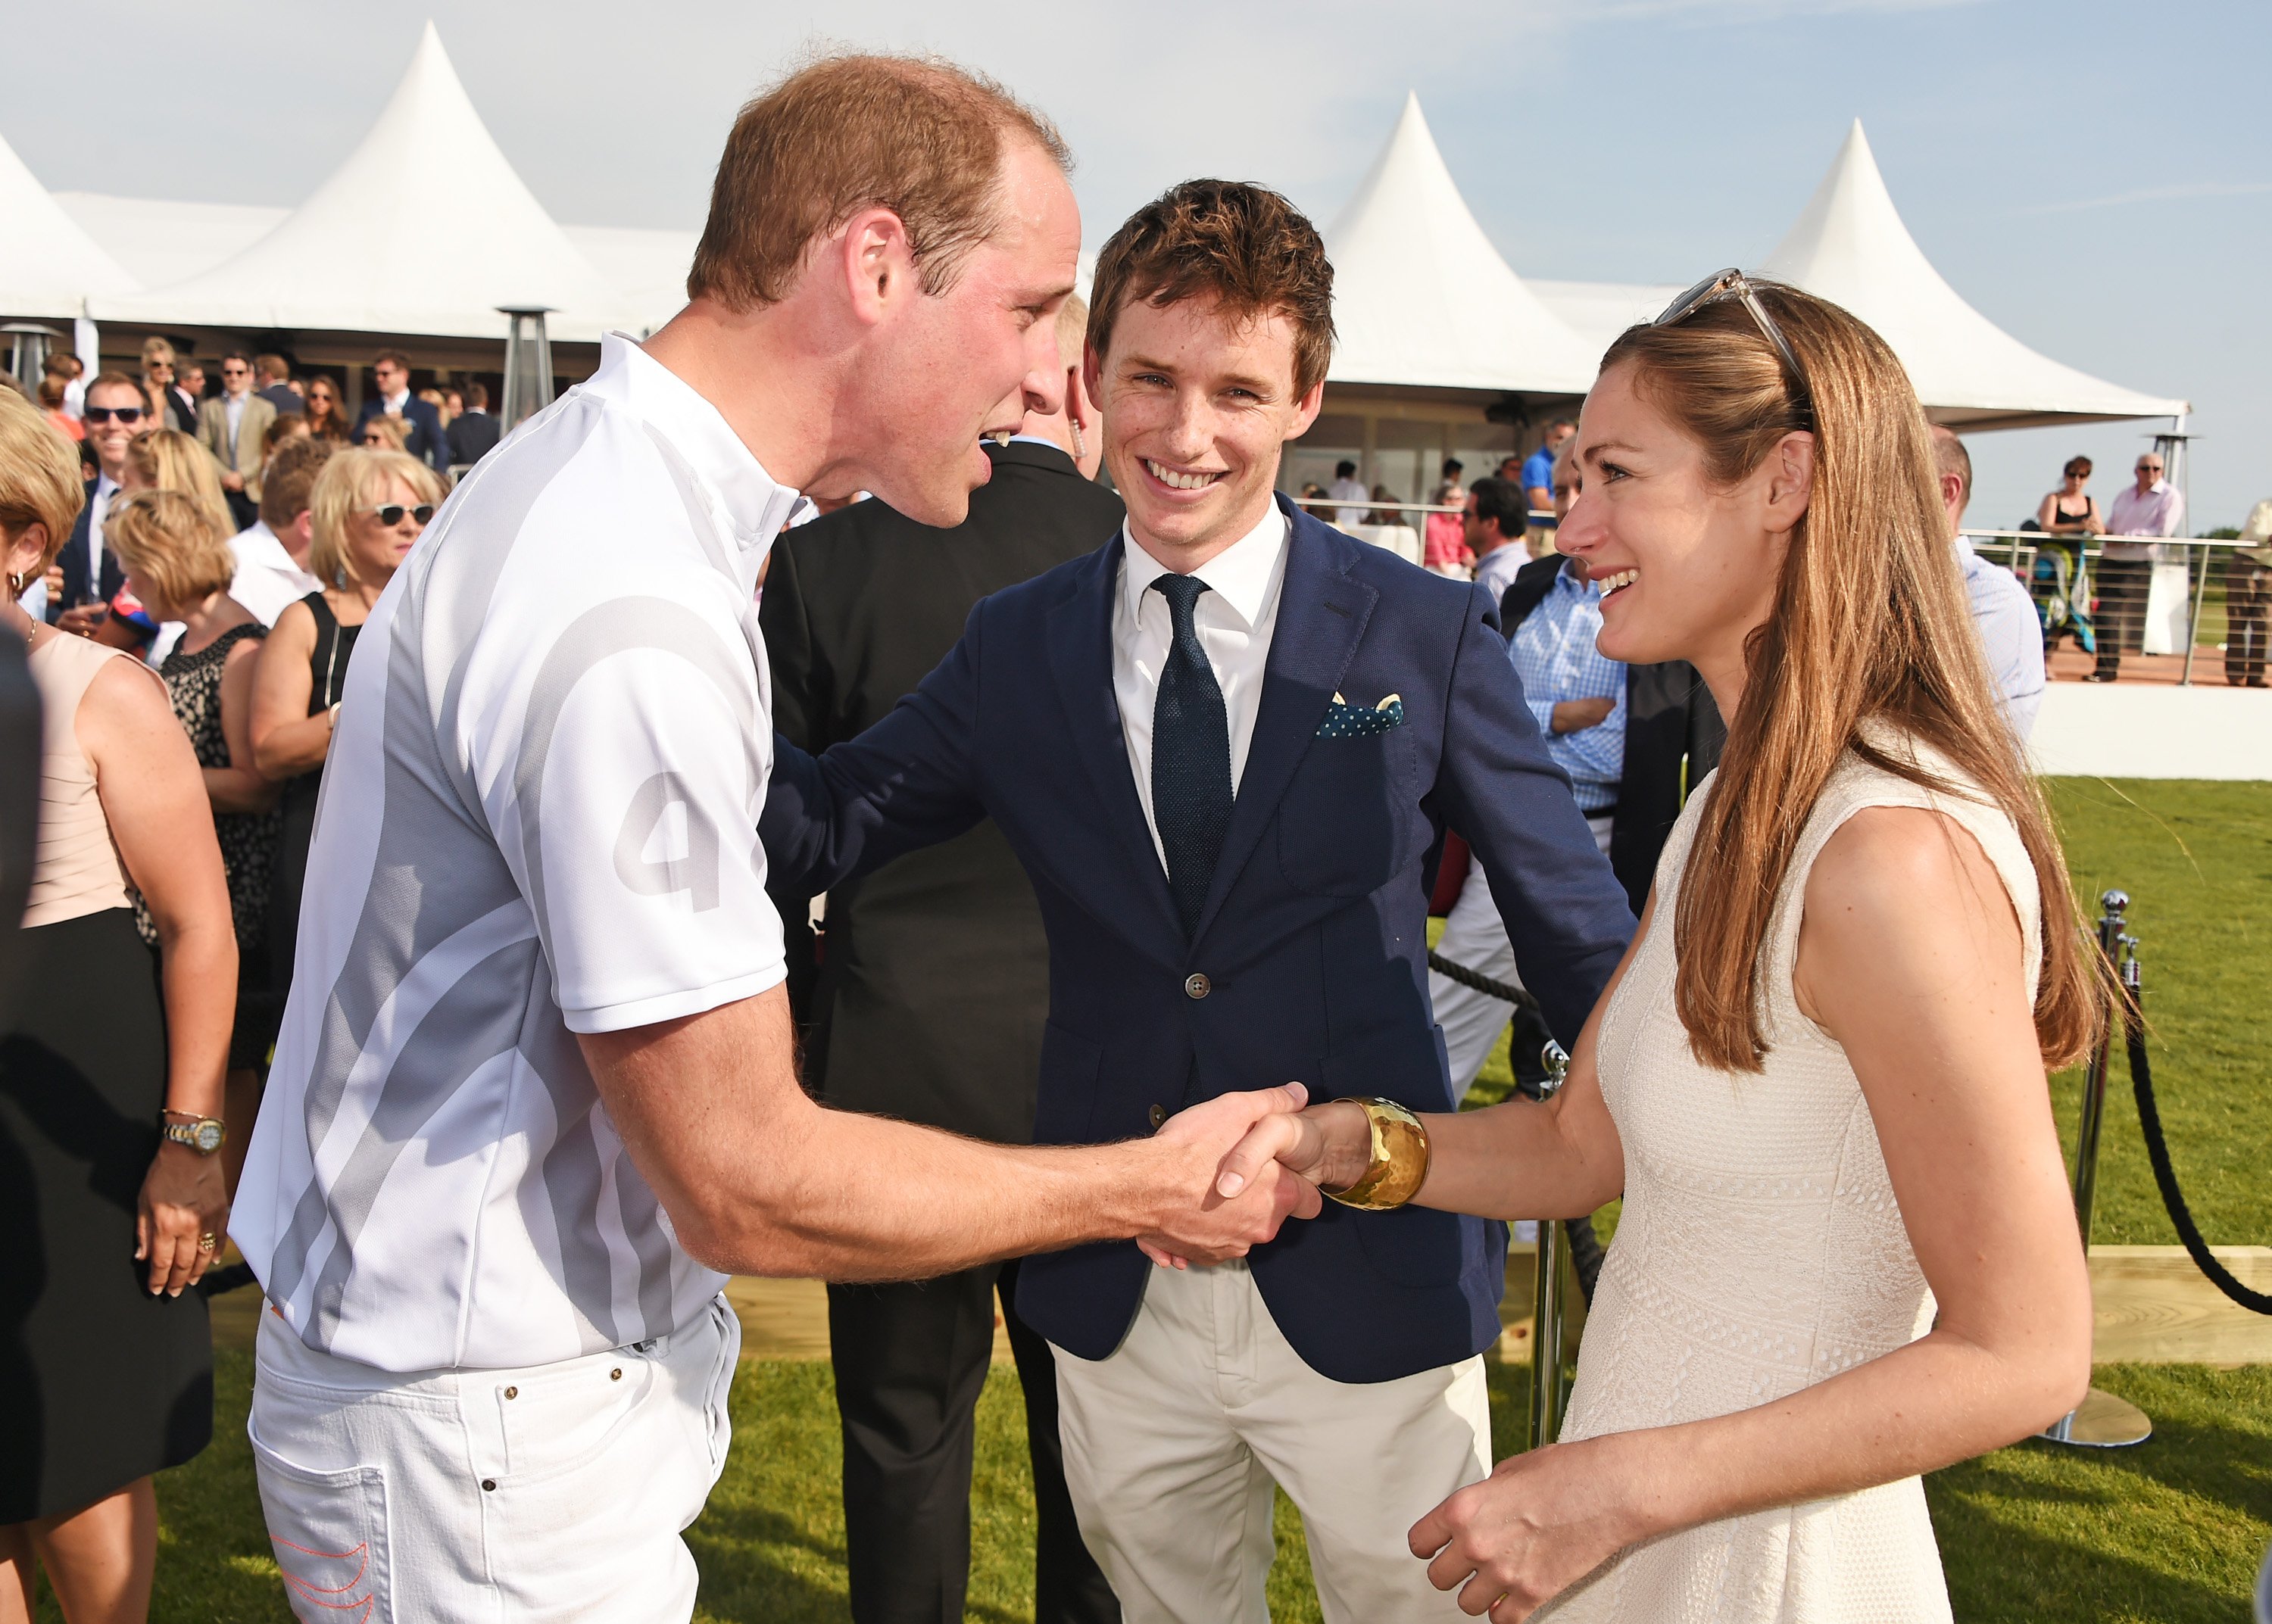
(1846, 1255)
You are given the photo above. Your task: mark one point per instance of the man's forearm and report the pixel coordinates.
(759, 1179)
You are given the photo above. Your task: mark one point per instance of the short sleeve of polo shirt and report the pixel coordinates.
(635, 783)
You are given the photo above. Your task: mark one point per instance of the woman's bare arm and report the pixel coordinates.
(239, 786)
(147, 778)
(1910, 955)
(286, 741)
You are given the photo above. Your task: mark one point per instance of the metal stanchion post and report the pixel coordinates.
(1548, 1304)
(2101, 1421)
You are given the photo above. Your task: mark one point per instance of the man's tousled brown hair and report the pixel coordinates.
(920, 136)
(1239, 243)
(1870, 623)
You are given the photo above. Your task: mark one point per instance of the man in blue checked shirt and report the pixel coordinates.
(1579, 698)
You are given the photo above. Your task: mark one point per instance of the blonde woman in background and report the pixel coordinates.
(163, 459)
(180, 566)
(365, 510)
(384, 433)
(108, 1216)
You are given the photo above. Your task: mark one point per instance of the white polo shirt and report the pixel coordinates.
(538, 818)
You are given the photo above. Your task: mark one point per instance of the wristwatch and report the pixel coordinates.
(202, 1134)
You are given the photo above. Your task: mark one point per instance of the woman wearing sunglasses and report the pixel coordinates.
(1846, 1255)
(325, 420)
(365, 510)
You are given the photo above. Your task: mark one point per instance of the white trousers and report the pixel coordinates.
(1171, 1443)
(553, 1493)
(1475, 935)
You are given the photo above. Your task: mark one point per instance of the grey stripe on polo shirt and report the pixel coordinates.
(540, 819)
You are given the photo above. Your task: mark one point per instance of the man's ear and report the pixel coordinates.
(1307, 409)
(1092, 372)
(876, 263)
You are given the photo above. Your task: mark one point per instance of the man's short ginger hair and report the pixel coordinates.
(1949, 456)
(920, 136)
(1237, 242)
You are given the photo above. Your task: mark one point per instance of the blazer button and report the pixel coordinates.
(1159, 1116)
(1197, 986)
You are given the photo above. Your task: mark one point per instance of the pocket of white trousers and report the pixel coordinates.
(329, 1534)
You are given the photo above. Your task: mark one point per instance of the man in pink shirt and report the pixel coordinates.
(2152, 507)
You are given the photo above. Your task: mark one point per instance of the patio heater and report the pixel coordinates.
(29, 346)
(527, 364)
(2170, 445)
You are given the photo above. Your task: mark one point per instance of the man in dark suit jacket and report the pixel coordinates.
(109, 433)
(391, 372)
(1318, 711)
(473, 434)
(929, 1006)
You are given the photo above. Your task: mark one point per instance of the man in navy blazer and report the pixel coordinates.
(1225, 746)
(391, 372)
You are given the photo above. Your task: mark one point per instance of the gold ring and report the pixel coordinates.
(207, 1242)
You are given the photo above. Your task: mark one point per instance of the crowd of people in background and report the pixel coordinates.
(190, 575)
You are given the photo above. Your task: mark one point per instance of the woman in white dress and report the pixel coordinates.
(1847, 1254)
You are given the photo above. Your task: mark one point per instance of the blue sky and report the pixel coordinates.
(2096, 178)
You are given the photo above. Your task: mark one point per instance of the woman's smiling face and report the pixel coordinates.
(1687, 568)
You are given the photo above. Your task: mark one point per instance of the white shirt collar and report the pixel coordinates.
(395, 403)
(755, 505)
(1244, 576)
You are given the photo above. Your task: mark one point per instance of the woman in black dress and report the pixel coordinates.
(179, 564)
(111, 1195)
(366, 509)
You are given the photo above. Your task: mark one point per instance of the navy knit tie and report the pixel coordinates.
(1191, 755)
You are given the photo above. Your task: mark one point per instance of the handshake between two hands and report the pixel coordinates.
(1250, 1162)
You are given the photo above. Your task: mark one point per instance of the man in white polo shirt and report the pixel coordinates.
(535, 1094)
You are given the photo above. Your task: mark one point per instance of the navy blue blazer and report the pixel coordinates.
(1309, 960)
(425, 441)
(74, 562)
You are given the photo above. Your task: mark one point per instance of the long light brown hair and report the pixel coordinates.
(1870, 623)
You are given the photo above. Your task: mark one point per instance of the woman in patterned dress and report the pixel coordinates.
(1847, 1254)
(178, 563)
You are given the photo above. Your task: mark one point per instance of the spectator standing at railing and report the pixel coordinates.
(2010, 633)
(1493, 526)
(2151, 507)
(1348, 490)
(2247, 596)
(1538, 483)
(1444, 551)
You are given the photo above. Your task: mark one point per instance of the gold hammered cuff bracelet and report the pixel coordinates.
(1400, 1159)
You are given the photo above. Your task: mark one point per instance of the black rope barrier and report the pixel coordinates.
(2157, 1151)
(1476, 980)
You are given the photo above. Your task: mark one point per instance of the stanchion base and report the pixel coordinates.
(2101, 1421)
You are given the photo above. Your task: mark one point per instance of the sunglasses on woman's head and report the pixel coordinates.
(104, 414)
(390, 513)
(1733, 284)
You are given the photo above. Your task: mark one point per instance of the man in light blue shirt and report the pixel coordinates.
(2010, 633)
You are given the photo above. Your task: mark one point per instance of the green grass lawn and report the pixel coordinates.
(2169, 1532)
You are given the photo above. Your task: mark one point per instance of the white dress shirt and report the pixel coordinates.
(233, 406)
(393, 404)
(266, 582)
(1235, 618)
(1348, 490)
(98, 511)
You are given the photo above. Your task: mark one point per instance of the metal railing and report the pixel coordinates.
(2020, 549)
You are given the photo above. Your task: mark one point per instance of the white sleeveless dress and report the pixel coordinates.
(1759, 1251)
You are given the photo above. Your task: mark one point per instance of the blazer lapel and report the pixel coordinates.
(1080, 658)
(1322, 613)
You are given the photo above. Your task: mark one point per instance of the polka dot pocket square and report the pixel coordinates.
(1345, 721)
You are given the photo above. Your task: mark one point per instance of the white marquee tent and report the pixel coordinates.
(1850, 247)
(385, 246)
(1420, 296)
(49, 265)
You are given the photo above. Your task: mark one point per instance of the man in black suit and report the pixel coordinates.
(87, 573)
(390, 370)
(473, 433)
(927, 1003)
